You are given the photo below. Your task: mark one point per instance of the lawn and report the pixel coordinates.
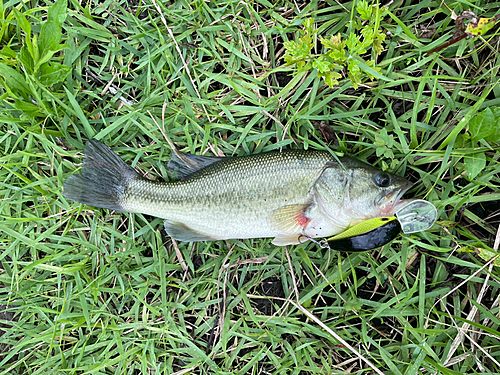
(92, 291)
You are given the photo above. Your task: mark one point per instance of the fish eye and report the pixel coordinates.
(382, 179)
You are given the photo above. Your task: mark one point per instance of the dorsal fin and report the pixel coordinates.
(181, 165)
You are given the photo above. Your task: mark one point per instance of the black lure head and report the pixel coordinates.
(369, 240)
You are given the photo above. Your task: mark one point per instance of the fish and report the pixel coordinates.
(288, 195)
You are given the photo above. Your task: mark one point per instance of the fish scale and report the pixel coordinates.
(277, 194)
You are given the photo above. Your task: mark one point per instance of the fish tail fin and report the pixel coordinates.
(104, 178)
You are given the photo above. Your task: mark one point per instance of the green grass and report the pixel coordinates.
(89, 291)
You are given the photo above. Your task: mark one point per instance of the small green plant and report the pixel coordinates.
(484, 126)
(340, 52)
(384, 143)
(23, 71)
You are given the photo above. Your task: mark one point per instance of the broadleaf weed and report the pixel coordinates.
(340, 52)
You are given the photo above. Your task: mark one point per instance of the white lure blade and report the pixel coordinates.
(417, 216)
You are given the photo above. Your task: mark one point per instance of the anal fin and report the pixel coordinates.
(184, 233)
(284, 240)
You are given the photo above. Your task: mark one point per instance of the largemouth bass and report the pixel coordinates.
(285, 195)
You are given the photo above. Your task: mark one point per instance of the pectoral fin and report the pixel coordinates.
(291, 219)
(184, 233)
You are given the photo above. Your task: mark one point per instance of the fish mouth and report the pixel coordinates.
(392, 202)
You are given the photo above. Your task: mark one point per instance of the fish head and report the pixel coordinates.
(390, 191)
(357, 192)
